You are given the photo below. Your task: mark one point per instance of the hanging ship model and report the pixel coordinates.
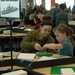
(9, 9)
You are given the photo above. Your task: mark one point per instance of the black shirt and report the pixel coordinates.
(27, 21)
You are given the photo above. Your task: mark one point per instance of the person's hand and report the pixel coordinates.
(45, 47)
(38, 47)
(33, 26)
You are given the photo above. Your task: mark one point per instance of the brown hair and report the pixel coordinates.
(37, 19)
(46, 24)
(62, 6)
(47, 19)
(64, 29)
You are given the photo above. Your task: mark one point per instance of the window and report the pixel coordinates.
(47, 4)
(38, 2)
(68, 2)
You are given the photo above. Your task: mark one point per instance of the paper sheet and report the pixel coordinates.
(26, 56)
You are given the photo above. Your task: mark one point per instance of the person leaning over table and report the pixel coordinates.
(35, 39)
(64, 36)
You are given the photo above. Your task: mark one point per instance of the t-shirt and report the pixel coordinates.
(67, 48)
(30, 22)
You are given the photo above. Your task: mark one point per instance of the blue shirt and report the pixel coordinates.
(67, 48)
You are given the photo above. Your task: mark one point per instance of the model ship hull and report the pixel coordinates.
(9, 10)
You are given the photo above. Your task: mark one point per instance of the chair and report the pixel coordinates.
(16, 23)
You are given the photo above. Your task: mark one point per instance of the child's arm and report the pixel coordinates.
(52, 46)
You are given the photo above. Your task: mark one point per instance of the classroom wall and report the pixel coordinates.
(74, 2)
(23, 2)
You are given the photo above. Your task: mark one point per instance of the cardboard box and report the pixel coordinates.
(67, 71)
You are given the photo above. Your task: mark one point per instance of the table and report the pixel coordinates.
(13, 35)
(49, 61)
(47, 70)
(23, 29)
(17, 30)
(29, 26)
(72, 25)
(15, 67)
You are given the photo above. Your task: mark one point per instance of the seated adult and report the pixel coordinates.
(29, 19)
(37, 22)
(35, 39)
(47, 19)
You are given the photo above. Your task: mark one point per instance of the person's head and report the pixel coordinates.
(62, 6)
(31, 16)
(47, 19)
(37, 20)
(57, 5)
(63, 32)
(45, 29)
(67, 11)
(40, 12)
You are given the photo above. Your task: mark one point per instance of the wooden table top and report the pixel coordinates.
(13, 35)
(47, 70)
